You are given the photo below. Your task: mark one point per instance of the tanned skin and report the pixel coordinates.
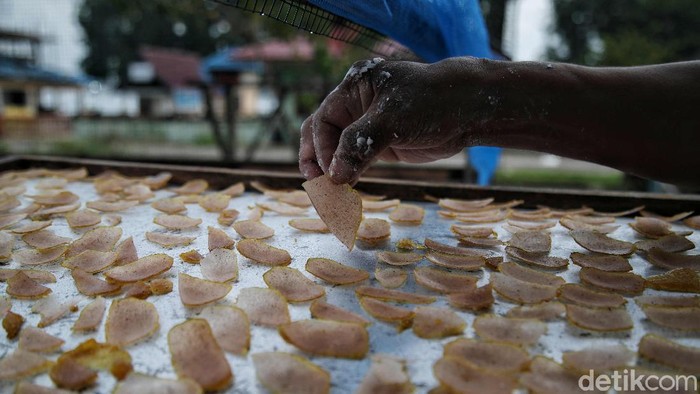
(641, 120)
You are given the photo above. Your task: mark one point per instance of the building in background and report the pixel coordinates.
(55, 23)
(22, 81)
(167, 82)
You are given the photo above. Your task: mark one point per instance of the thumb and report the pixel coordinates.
(359, 146)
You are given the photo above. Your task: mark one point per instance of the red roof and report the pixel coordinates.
(174, 68)
(298, 49)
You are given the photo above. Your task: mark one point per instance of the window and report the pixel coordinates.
(15, 98)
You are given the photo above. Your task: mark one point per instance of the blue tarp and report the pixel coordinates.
(433, 29)
(222, 61)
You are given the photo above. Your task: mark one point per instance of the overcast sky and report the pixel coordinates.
(527, 29)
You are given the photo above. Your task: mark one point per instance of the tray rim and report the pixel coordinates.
(220, 177)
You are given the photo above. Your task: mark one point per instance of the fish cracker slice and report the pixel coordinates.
(293, 285)
(138, 383)
(667, 352)
(23, 287)
(309, 224)
(618, 282)
(107, 206)
(545, 311)
(599, 319)
(408, 214)
(263, 253)
(374, 230)
(266, 307)
(393, 295)
(230, 327)
(220, 265)
(668, 260)
(218, 238)
(600, 243)
(334, 272)
(44, 239)
(473, 298)
(289, 373)
(443, 281)
(586, 296)
(398, 258)
(685, 318)
(670, 243)
(32, 226)
(36, 340)
(22, 364)
(253, 229)
(386, 375)
(509, 330)
(130, 320)
(531, 241)
(400, 316)
(390, 278)
(168, 240)
(460, 376)
(194, 186)
(102, 239)
(547, 376)
(604, 262)
(530, 275)
(521, 291)
(598, 359)
(679, 279)
(83, 218)
(320, 309)
(177, 222)
(196, 355)
(215, 202)
(90, 316)
(327, 338)
(537, 259)
(195, 291)
(492, 356)
(91, 285)
(144, 268)
(432, 322)
(339, 206)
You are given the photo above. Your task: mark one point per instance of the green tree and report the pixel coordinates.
(115, 29)
(626, 32)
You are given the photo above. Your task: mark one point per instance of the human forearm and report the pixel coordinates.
(643, 120)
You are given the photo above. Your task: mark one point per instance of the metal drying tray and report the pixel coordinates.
(152, 356)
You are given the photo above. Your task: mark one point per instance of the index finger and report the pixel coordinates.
(327, 124)
(308, 164)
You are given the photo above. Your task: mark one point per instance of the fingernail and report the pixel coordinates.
(338, 171)
(332, 170)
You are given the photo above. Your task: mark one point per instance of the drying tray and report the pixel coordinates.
(152, 356)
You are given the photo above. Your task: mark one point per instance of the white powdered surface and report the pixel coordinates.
(152, 356)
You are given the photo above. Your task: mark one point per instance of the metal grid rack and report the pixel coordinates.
(315, 20)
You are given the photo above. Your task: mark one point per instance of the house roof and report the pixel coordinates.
(10, 35)
(298, 49)
(174, 68)
(20, 71)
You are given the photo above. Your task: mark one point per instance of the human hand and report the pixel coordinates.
(388, 110)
